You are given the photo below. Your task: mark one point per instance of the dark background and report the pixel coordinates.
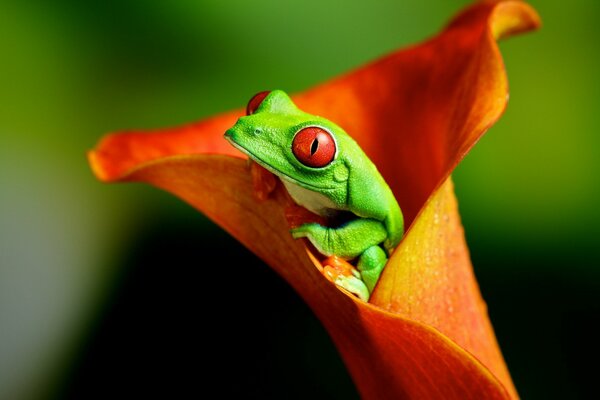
(123, 290)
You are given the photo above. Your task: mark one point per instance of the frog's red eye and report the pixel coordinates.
(314, 147)
(255, 101)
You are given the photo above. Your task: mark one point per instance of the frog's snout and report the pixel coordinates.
(243, 129)
(229, 134)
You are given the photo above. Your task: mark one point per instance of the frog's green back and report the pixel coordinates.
(369, 196)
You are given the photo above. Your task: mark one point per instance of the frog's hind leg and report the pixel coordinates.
(370, 264)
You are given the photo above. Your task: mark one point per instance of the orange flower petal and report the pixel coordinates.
(416, 113)
(429, 279)
(388, 355)
(117, 154)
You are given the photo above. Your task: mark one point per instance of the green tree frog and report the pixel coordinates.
(325, 171)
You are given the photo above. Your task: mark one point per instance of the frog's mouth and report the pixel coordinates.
(229, 137)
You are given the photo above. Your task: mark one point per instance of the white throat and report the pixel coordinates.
(312, 201)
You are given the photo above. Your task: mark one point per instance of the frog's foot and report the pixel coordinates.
(344, 275)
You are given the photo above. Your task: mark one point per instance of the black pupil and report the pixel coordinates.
(314, 146)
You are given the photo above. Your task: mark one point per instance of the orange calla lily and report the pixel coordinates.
(415, 113)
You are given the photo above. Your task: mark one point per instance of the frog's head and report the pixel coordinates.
(303, 148)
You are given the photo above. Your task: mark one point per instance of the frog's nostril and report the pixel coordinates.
(257, 131)
(229, 134)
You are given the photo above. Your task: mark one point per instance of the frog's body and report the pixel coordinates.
(325, 171)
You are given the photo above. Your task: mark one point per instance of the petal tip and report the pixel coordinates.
(512, 17)
(96, 165)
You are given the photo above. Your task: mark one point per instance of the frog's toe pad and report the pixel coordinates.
(344, 275)
(354, 285)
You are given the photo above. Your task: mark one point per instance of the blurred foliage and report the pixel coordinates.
(100, 286)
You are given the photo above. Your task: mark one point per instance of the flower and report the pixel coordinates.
(416, 113)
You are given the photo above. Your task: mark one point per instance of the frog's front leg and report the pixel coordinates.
(357, 238)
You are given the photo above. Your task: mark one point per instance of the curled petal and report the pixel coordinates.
(117, 154)
(429, 279)
(416, 113)
(388, 355)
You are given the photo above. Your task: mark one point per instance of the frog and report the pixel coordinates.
(325, 171)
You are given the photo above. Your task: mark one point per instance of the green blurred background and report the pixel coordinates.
(106, 291)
